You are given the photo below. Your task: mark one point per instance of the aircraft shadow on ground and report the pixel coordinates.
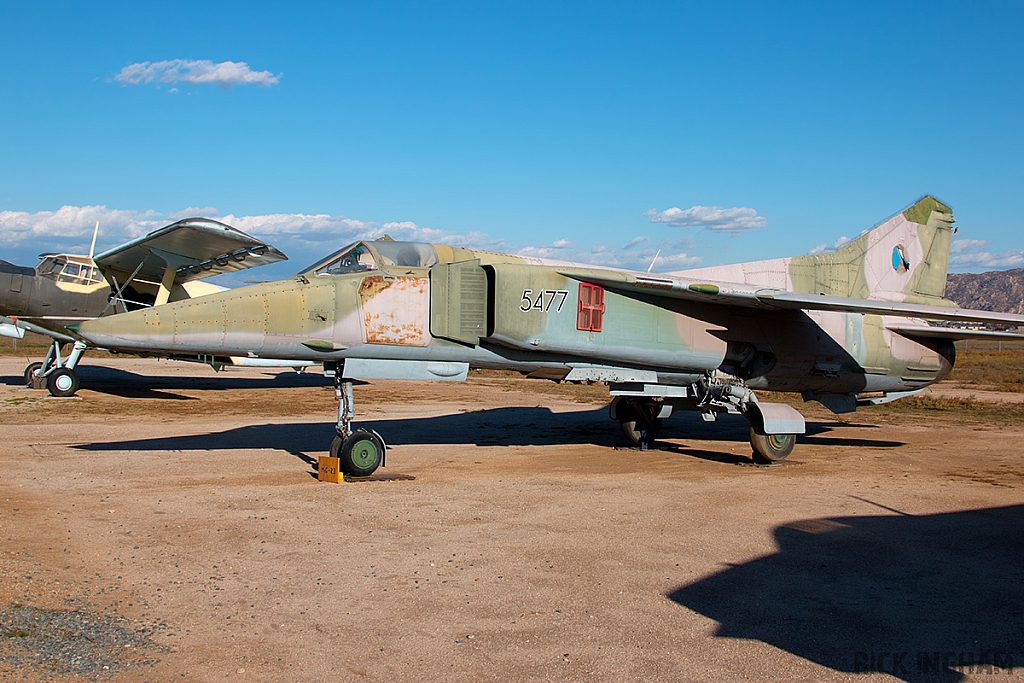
(923, 598)
(527, 426)
(116, 382)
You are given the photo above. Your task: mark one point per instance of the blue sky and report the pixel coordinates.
(570, 130)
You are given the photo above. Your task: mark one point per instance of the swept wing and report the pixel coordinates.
(754, 296)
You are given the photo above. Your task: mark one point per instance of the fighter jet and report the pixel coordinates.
(168, 264)
(848, 328)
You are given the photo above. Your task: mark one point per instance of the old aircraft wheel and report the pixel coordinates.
(360, 454)
(30, 372)
(771, 447)
(62, 382)
(632, 428)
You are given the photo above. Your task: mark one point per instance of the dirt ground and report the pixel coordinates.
(167, 525)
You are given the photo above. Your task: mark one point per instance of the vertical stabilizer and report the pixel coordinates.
(904, 258)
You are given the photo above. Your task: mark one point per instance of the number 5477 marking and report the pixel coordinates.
(543, 301)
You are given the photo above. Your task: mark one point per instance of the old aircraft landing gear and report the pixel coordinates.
(640, 410)
(359, 451)
(639, 421)
(769, 448)
(55, 374)
(31, 371)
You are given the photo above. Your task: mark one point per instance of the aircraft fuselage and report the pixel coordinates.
(530, 318)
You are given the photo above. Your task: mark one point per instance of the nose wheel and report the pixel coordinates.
(359, 451)
(360, 454)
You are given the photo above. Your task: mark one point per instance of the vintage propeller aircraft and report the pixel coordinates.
(845, 328)
(168, 264)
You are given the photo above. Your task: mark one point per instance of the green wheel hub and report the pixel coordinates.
(364, 453)
(359, 454)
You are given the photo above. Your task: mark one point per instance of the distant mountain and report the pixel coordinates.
(997, 290)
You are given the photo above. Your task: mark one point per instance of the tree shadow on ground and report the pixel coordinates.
(509, 426)
(923, 598)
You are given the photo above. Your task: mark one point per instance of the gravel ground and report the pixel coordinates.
(72, 641)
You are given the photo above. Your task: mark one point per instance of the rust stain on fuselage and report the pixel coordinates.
(371, 286)
(396, 310)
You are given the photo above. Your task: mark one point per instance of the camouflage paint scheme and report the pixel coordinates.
(467, 306)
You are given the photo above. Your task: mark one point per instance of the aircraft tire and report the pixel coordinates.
(632, 428)
(30, 372)
(769, 448)
(360, 454)
(62, 382)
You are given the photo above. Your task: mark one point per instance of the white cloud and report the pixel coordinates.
(959, 246)
(822, 248)
(193, 212)
(970, 255)
(304, 237)
(561, 249)
(69, 225)
(636, 241)
(730, 221)
(195, 72)
(640, 259)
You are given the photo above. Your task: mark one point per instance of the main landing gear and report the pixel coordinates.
(640, 410)
(55, 374)
(639, 421)
(360, 451)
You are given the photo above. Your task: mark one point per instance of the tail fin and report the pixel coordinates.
(904, 258)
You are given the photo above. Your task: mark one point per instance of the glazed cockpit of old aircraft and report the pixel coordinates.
(363, 256)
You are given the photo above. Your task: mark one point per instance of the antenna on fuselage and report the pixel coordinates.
(653, 260)
(92, 247)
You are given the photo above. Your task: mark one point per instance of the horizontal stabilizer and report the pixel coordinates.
(929, 332)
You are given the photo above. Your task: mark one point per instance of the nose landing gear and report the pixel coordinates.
(359, 451)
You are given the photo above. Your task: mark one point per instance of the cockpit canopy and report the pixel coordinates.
(365, 256)
(73, 269)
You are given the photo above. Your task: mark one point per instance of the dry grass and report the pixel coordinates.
(957, 409)
(31, 346)
(989, 369)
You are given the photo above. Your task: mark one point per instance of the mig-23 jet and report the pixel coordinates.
(846, 328)
(168, 264)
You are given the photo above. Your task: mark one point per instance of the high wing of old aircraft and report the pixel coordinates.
(167, 264)
(846, 328)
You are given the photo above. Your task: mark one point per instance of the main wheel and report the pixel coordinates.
(62, 382)
(633, 427)
(771, 447)
(30, 372)
(360, 454)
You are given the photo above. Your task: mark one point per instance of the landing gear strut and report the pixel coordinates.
(641, 408)
(54, 373)
(360, 451)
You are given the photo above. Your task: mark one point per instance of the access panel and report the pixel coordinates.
(458, 301)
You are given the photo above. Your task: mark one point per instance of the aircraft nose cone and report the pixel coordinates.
(127, 331)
